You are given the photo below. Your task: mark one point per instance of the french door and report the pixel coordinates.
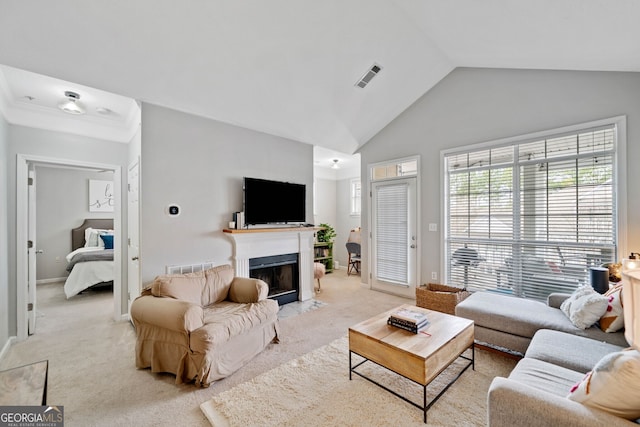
(394, 236)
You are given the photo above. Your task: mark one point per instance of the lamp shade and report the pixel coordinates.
(631, 304)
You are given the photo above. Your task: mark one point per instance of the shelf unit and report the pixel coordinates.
(323, 253)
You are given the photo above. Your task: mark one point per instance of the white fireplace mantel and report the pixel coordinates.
(261, 242)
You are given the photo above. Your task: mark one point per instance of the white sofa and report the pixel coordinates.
(535, 393)
(510, 323)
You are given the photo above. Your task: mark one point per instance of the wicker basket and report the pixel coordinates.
(442, 298)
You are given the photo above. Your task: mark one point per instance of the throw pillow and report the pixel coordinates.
(108, 240)
(613, 319)
(92, 239)
(185, 287)
(217, 284)
(584, 307)
(613, 385)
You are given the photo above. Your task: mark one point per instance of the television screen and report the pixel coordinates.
(271, 202)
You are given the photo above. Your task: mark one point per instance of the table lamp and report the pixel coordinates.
(631, 300)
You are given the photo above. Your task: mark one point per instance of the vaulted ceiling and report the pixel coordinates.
(289, 68)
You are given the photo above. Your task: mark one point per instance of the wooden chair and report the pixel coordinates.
(353, 249)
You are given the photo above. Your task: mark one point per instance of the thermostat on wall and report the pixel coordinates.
(173, 210)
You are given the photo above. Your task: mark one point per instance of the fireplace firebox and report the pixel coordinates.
(281, 273)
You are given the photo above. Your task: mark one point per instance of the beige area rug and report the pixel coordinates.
(315, 390)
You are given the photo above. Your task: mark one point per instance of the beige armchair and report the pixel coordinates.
(203, 326)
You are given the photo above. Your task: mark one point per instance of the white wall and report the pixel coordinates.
(60, 145)
(325, 207)
(135, 146)
(346, 222)
(62, 203)
(477, 105)
(4, 233)
(199, 164)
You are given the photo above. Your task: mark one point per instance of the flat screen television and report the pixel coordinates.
(273, 202)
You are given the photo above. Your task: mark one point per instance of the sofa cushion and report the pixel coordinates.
(218, 282)
(567, 350)
(226, 319)
(545, 376)
(613, 385)
(185, 287)
(613, 319)
(517, 316)
(584, 307)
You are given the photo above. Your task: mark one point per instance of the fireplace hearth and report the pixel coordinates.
(281, 273)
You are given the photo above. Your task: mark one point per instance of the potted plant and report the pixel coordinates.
(326, 234)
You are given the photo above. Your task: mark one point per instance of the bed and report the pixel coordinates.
(91, 261)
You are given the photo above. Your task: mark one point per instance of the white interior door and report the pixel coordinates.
(31, 250)
(394, 236)
(134, 231)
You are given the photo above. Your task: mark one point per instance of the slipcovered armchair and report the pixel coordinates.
(203, 326)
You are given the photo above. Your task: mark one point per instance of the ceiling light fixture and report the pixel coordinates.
(335, 164)
(72, 104)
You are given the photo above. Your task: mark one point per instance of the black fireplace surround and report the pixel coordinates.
(281, 273)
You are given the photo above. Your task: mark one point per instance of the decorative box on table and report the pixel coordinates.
(443, 298)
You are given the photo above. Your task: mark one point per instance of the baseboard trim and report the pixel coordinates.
(54, 280)
(6, 347)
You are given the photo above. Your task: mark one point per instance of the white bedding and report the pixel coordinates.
(80, 250)
(86, 274)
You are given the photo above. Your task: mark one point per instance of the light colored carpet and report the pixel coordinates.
(315, 390)
(92, 369)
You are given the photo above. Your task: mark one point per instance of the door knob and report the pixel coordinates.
(135, 258)
(412, 246)
(39, 251)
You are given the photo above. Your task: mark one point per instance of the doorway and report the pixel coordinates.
(394, 231)
(26, 293)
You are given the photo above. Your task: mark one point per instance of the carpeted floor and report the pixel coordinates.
(316, 388)
(91, 357)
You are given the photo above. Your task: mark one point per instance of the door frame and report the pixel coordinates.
(133, 220)
(418, 249)
(22, 166)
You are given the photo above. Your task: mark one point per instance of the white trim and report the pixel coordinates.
(53, 280)
(620, 171)
(536, 135)
(6, 347)
(620, 124)
(21, 232)
(352, 182)
(366, 192)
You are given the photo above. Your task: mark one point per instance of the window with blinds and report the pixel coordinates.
(531, 217)
(392, 232)
(356, 197)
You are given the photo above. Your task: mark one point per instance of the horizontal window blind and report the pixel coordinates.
(531, 217)
(392, 233)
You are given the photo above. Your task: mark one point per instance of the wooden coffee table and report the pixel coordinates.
(419, 357)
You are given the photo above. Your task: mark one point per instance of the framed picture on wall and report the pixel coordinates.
(101, 196)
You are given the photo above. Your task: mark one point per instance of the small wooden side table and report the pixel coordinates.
(25, 385)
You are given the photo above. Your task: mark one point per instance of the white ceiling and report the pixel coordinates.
(288, 68)
(31, 99)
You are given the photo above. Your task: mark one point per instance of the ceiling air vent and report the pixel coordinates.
(370, 74)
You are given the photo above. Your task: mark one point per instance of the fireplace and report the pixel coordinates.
(254, 243)
(281, 273)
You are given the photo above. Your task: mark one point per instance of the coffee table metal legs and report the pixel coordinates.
(425, 406)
